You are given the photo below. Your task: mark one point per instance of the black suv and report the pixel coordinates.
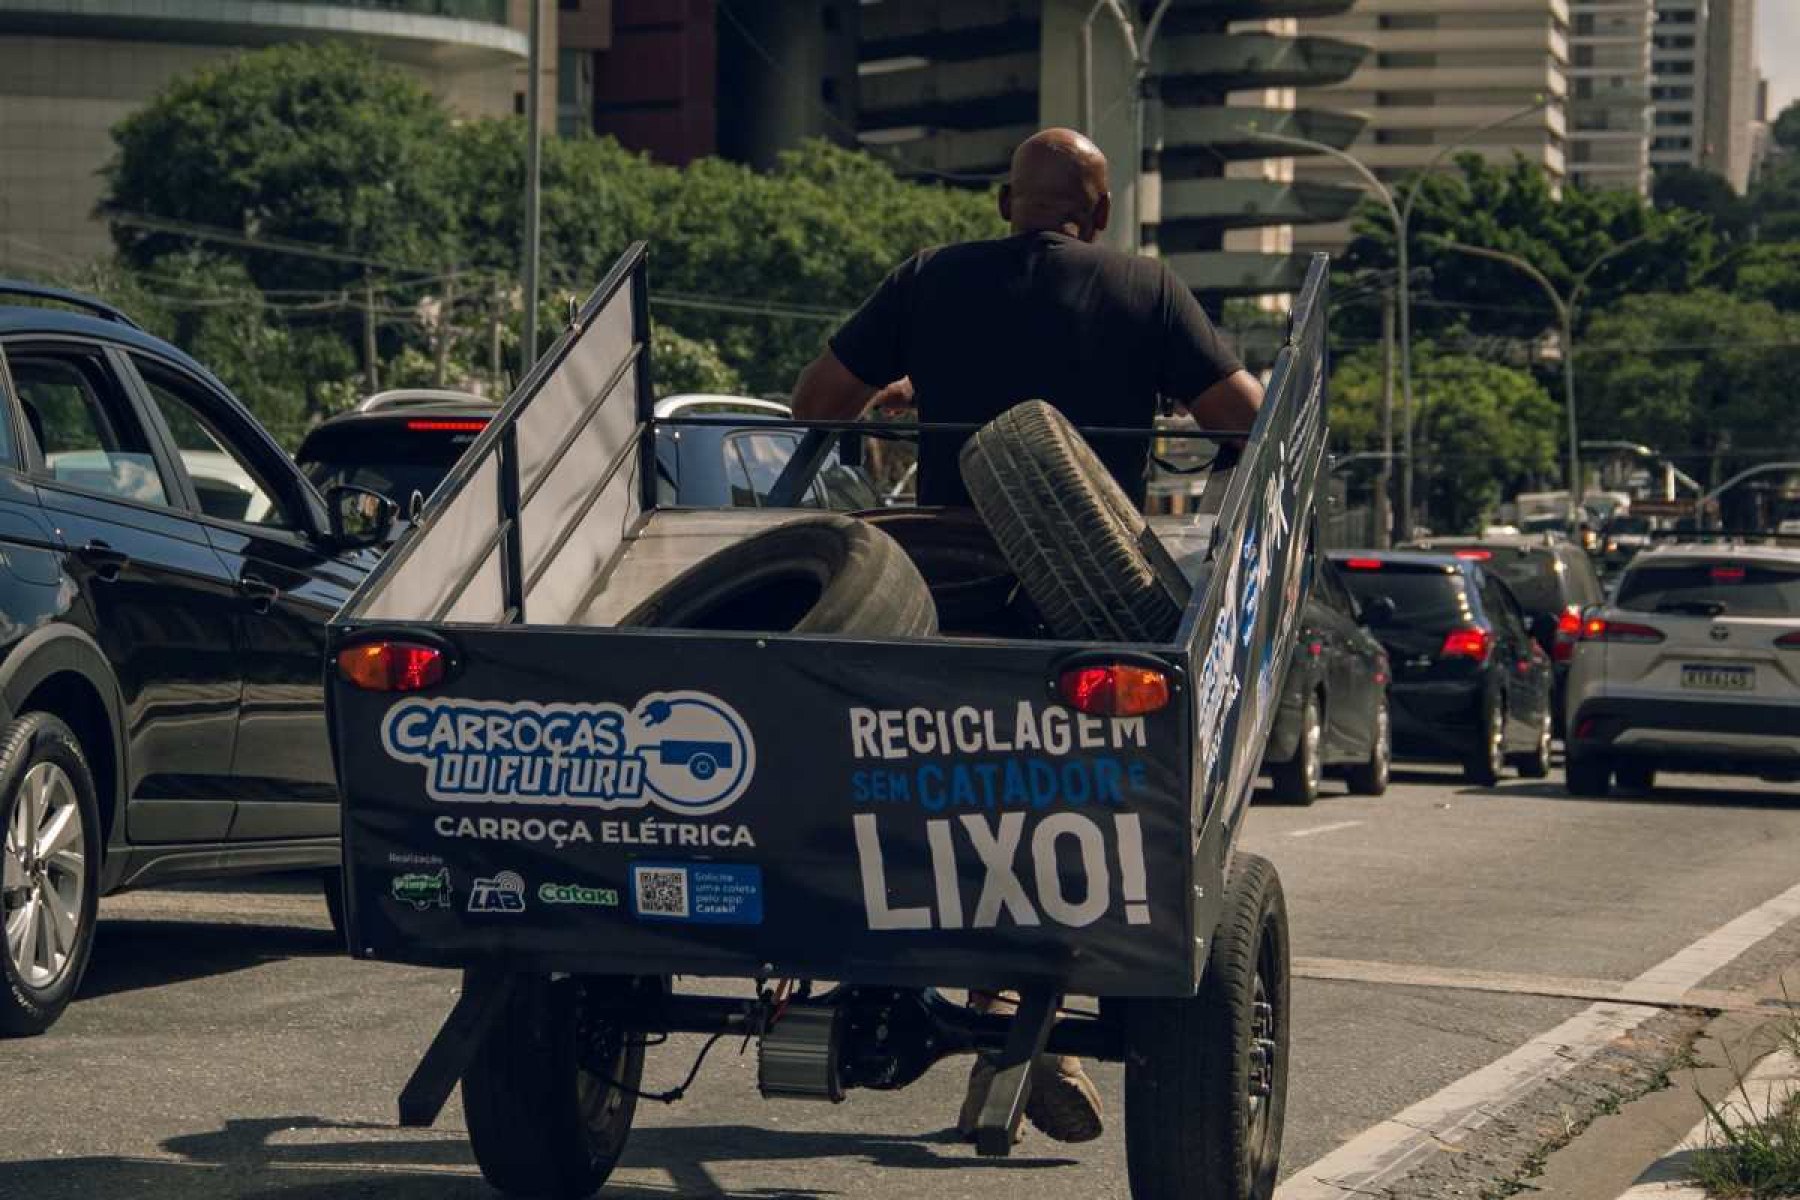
(1470, 682)
(1552, 578)
(165, 578)
(400, 443)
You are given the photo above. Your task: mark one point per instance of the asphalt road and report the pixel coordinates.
(222, 1048)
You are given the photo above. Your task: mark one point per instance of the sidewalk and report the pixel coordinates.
(1769, 1086)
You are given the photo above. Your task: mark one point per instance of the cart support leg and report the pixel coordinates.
(484, 994)
(1010, 1088)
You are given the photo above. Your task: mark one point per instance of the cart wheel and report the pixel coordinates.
(1206, 1078)
(550, 1093)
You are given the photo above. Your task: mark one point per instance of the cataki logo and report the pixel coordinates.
(685, 752)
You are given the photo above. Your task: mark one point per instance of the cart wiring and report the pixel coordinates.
(680, 1090)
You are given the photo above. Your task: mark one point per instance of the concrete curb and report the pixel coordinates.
(1768, 1086)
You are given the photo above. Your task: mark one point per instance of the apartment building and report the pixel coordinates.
(1609, 94)
(1704, 87)
(1437, 71)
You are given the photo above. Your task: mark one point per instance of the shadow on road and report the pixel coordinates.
(243, 1160)
(1699, 797)
(135, 953)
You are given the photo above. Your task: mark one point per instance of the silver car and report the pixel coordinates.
(1693, 665)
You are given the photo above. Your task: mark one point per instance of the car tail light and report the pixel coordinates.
(1727, 574)
(1363, 564)
(1467, 643)
(1315, 648)
(1475, 555)
(1568, 632)
(1789, 641)
(1599, 629)
(1114, 689)
(393, 666)
(422, 425)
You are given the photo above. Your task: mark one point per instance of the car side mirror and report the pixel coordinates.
(1378, 611)
(359, 516)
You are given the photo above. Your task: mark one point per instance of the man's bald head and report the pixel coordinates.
(1058, 183)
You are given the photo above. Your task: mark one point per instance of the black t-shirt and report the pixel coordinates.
(982, 326)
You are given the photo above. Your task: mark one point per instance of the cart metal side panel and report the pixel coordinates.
(704, 804)
(1240, 630)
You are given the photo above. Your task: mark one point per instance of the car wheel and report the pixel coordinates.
(820, 574)
(49, 871)
(1297, 780)
(1488, 758)
(1371, 778)
(1635, 777)
(1587, 775)
(1067, 529)
(1536, 765)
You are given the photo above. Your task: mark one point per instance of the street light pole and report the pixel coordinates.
(534, 147)
(1565, 315)
(1140, 76)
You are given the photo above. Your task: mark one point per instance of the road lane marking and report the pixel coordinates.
(1766, 1089)
(1334, 826)
(1345, 970)
(1376, 1157)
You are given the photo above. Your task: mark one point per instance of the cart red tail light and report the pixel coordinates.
(1467, 643)
(1114, 689)
(1599, 629)
(393, 666)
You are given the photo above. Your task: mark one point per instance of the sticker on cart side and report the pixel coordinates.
(1068, 869)
(687, 753)
(704, 893)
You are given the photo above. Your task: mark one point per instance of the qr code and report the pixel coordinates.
(662, 893)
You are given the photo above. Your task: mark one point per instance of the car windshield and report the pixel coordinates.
(1531, 574)
(397, 467)
(1714, 588)
(1429, 597)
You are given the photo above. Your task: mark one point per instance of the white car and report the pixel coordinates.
(1694, 664)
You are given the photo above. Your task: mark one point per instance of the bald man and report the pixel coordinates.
(1043, 314)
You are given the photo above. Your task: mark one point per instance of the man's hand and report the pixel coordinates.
(896, 399)
(827, 391)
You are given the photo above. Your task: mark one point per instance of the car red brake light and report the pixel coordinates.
(1568, 632)
(1727, 574)
(392, 666)
(1363, 564)
(1599, 629)
(1114, 689)
(1789, 641)
(421, 425)
(1475, 555)
(1467, 643)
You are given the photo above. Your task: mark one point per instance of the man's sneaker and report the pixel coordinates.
(1064, 1102)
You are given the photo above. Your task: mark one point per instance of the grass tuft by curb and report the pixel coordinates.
(1752, 1154)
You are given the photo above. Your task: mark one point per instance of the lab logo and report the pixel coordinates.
(504, 893)
(422, 889)
(689, 753)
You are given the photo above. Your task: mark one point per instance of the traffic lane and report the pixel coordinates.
(1524, 878)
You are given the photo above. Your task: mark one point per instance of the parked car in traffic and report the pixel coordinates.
(1553, 580)
(1333, 717)
(169, 572)
(1622, 537)
(1470, 683)
(713, 466)
(400, 443)
(1694, 665)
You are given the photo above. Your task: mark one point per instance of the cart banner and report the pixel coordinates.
(715, 804)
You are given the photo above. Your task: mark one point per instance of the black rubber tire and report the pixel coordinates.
(1068, 530)
(38, 737)
(331, 885)
(530, 1095)
(1635, 777)
(1296, 781)
(1535, 764)
(970, 580)
(1192, 1128)
(824, 573)
(1587, 775)
(1371, 778)
(1488, 758)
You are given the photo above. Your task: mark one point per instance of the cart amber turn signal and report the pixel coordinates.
(1114, 689)
(392, 666)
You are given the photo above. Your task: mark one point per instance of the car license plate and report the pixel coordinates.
(1718, 679)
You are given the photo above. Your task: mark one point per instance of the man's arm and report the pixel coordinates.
(1228, 405)
(828, 391)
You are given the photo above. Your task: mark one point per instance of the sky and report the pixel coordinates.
(1778, 50)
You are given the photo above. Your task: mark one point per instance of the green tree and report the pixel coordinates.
(1787, 127)
(1701, 375)
(683, 364)
(1693, 190)
(1514, 207)
(1767, 271)
(1482, 430)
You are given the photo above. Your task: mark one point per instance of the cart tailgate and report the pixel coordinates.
(710, 804)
